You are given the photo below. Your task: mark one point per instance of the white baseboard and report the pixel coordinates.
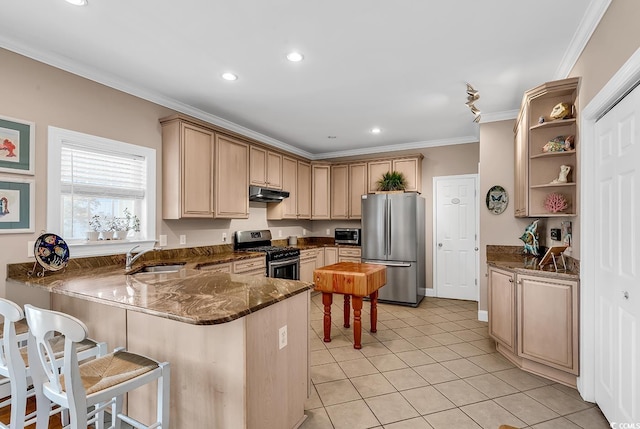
(483, 315)
(429, 292)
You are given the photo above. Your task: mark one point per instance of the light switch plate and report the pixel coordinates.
(183, 239)
(30, 245)
(162, 240)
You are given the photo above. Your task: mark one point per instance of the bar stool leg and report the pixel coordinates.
(347, 310)
(374, 311)
(327, 300)
(357, 322)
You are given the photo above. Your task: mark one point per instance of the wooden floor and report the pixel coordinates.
(54, 421)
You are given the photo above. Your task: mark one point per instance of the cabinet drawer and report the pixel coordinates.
(349, 252)
(217, 268)
(348, 259)
(309, 254)
(249, 265)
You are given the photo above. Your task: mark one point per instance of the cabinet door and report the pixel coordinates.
(197, 171)
(548, 321)
(375, 171)
(257, 166)
(274, 170)
(304, 190)
(330, 255)
(320, 186)
(339, 191)
(411, 168)
(502, 307)
(520, 179)
(232, 178)
(357, 187)
(308, 260)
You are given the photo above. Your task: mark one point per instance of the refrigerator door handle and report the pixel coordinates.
(387, 263)
(388, 251)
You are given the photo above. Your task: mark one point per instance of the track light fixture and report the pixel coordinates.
(472, 96)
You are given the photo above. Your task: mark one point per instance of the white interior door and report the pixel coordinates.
(455, 226)
(617, 281)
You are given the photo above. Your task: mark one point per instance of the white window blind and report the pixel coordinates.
(95, 173)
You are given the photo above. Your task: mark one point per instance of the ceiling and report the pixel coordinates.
(397, 65)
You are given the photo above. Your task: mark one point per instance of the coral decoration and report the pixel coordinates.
(555, 203)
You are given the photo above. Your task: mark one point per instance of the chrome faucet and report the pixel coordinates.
(131, 258)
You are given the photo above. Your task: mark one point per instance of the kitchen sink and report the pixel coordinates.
(161, 269)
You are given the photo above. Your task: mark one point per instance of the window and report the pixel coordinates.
(93, 176)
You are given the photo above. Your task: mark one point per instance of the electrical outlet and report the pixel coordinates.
(162, 240)
(183, 239)
(224, 237)
(328, 231)
(30, 245)
(279, 233)
(304, 231)
(282, 337)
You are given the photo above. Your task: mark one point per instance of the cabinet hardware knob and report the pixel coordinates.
(625, 294)
(510, 280)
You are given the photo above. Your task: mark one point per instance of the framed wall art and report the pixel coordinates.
(17, 151)
(497, 199)
(17, 205)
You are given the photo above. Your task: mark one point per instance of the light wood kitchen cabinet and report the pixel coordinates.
(320, 191)
(357, 188)
(308, 263)
(265, 168)
(217, 268)
(330, 255)
(534, 320)
(535, 168)
(349, 254)
(340, 191)
(187, 170)
(251, 267)
(502, 307)
(304, 190)
(231, 178)
(409, 166)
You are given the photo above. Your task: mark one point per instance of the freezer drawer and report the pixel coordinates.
(402, 283)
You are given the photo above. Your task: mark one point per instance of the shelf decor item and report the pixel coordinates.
(51, 253)
(17, 151)
(392, 181)
(555, 202)
(530, 239)
(562, 177)
(559, 144)
(561, 111)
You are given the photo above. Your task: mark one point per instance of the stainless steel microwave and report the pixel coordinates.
(348, 236)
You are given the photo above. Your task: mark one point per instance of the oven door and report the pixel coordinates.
(285, 269)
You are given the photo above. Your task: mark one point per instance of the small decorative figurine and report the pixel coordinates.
(564, 172)
(555, 202)
(559, 144)
(561, 111)
(530, 239)
(541, 120)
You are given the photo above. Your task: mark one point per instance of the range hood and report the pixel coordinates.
(266, 195)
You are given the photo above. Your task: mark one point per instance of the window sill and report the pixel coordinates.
(83, 248)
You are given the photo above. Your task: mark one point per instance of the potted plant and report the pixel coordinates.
(132, 221)
(120, 228)
(392, 181)
(95, 225)
(109, 228)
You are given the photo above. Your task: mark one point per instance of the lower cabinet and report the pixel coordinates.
(330, 255)
(308, 263)
(251, 267)
(534, 320)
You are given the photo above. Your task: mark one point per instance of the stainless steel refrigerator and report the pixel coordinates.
(393, 230)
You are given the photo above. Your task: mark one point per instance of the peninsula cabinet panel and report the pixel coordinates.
(340, 191)
(548, 321)
(231, 178)
(265, 168)
(187, 170)
(357, 188)
(321, 185)
(502, 307)
(304, 190)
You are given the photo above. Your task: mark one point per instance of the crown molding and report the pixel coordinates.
(499, 116)
(590, 20)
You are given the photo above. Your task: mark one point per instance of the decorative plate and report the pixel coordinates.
(497, 199)
(51, 252)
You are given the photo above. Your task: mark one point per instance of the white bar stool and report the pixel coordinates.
(14, 364)
(100, 382)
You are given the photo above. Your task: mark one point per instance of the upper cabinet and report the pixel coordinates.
(410, 167)
(304, 190)
(296, 179)
(320, 191)
(205, 174)
(546, 139)
(357, 187)
(265, 168)
(348, 183)
(187, 170)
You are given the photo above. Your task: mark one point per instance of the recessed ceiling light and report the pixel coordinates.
(332, 137)
(376, 130)
(295, 57)
(229, 76)
(77, 2)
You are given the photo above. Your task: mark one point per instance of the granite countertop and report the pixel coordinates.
(507, 258)
(190, 295)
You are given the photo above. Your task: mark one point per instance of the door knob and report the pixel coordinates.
(439, 244)
(625, 294)
(476, 249)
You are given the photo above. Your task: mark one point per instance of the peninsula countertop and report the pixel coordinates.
(506, 258)
(189, 295)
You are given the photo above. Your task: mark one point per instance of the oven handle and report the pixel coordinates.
(282, 262)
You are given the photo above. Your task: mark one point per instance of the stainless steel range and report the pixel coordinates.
(282, 262)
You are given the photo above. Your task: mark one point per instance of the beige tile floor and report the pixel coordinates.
(429, 367)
